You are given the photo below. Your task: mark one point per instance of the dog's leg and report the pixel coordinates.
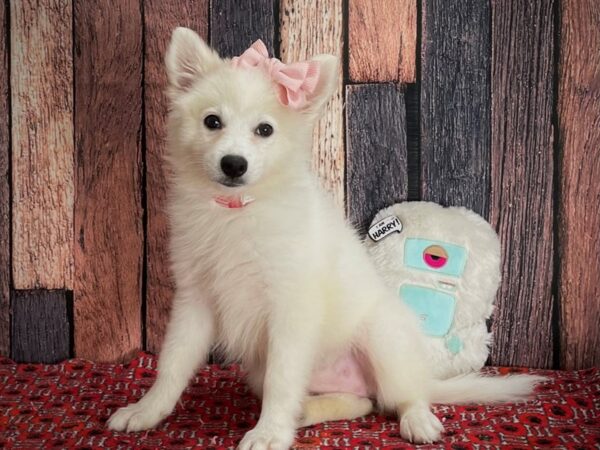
(403, 378)
(187, 343)
(292, 339)
(324, 407)
(255, 378)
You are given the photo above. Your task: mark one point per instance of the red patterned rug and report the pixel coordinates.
(67, 405)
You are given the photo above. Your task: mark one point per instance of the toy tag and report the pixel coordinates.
(384, 227)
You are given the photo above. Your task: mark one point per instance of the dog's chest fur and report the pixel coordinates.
(238, 256)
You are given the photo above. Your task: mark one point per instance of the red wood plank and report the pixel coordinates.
(161, 17)
(108, 213)
(382, 38)
(41, 68)
(579, 223)
(521, 206)
(4, 185)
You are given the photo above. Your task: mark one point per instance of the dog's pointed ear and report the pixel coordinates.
(188, 58)
(329, 67)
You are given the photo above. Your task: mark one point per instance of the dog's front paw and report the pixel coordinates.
(135, 417)
(267, 438)
(420, 426)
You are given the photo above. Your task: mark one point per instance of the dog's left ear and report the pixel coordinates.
(327, 84)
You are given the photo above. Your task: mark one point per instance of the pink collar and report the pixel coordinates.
(233, 202)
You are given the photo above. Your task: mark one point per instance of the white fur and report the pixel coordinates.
(474, 290)
(280, 283)
(472, 387)
(333, 406)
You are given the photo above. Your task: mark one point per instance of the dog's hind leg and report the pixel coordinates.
(403, 380)
(256, 377)
(325, 407)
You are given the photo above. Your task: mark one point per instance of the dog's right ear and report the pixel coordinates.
(188, 58)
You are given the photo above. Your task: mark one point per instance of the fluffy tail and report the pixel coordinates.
(476, 388)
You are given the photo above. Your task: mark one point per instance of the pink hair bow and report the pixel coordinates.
(296, 81)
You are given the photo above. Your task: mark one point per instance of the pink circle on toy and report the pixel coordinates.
(435, 256)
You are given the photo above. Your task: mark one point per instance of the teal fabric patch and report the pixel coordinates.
(435, 256)
(454, 344)
(434, 308)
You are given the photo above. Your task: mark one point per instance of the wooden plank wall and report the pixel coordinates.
(376, 154)
(579, 186)
(522, 173)
(160, 18)
(41, 86)
(41, 73)
(235, 25)
(455, 103)
(108, 208)
(309, 28)
(487, 104)
(382, 41)
(5, 263)
(40, 326)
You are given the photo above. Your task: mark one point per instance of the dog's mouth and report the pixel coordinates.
(231, 182)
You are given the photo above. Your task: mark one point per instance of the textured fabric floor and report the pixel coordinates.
(66, 406)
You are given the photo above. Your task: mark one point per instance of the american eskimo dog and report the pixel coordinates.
(268, 270)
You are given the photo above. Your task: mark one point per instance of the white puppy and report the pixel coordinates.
(269, 271)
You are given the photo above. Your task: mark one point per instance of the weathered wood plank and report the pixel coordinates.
(309, 28)
(4, 185)
(161, 17)
(42, 143)
(579, 134)
(376, 151)
(455, 103)
(40, 326)
(108, 213)
(382, 40)
(235, 25)
(413, 142)
(521, 206)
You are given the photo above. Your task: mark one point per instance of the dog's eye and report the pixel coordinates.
(264, 130)
(212, 122)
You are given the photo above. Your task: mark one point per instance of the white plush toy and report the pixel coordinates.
(445, 264)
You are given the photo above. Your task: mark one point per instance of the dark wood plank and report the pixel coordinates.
(160, 17)
(413, 141)
(40, 326)
(455, 103)
(5, 266)
(579, 223)
(41, 65)
(376, 151)
(521, 206)
(382, 38)
(108, 213)
(310, 28)
(236, 24)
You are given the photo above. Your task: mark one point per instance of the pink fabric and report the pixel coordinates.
(344, 374)
(296, 81)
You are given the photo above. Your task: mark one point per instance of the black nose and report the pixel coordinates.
(234, 166)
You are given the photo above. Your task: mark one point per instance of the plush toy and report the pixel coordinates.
(445, 264)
